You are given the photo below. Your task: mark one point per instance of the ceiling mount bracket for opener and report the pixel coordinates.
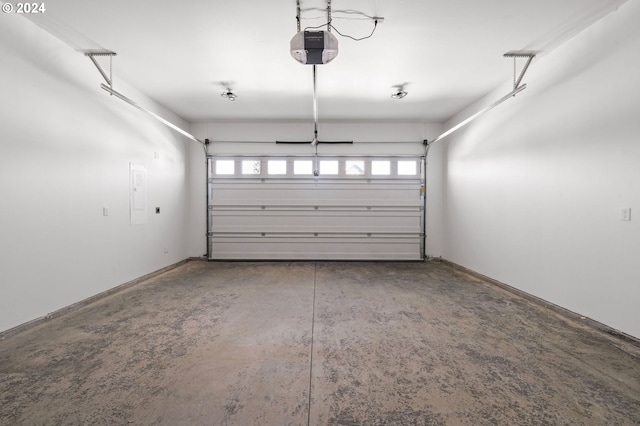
(102, 52)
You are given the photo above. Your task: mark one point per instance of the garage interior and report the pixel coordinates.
(431, 221)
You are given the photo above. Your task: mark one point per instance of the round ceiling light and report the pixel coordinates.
(229, 95)
(399, 94)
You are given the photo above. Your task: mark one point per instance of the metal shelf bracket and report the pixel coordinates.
(91, 54)
(515, 54)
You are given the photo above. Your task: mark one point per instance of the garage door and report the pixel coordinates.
(324, 208)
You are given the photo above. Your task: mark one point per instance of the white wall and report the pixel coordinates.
(369, 139)
(535, 187)
(65, 149)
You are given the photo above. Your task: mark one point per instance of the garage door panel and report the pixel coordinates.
(264, 203)
(317, 222)
(319, 229)
(265, 194)
(321, 248)
(326, 210)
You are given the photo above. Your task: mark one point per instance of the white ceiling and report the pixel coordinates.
(448, 52)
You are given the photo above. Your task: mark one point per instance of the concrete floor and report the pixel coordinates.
(316, 344)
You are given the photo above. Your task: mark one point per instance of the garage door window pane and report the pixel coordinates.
(380, 167)
(225, 167)
(354, 167)
(277, 167)
(406, 168)
(328, 167)
(302, 167)
(250, 167)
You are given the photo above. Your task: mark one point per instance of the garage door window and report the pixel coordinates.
(328, 167)
(303, 167)
(380, 167)
(225, 167)
(250, 167)
(354, 167)
(277, 167)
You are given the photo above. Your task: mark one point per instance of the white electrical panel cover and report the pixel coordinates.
(138, 194)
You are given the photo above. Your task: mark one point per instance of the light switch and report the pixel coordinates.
(105, 211)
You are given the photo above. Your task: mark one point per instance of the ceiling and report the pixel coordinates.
(448, 53)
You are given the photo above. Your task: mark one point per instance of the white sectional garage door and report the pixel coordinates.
(294, 208)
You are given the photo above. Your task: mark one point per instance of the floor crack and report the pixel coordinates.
(313, 321)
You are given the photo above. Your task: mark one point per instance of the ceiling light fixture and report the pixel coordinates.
(398, 91)
(399, 94)
(229, 95)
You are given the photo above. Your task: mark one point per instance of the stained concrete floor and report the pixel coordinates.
(308, 343)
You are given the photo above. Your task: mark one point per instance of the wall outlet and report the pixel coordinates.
(105, 211)
(625, 214)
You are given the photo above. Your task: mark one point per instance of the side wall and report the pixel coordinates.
(535, 188)
(65, 150)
